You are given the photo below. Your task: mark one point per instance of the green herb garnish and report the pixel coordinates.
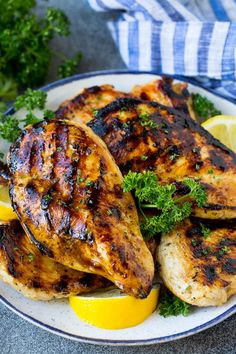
(223, 250)
(170, 210)
(203, 107)
(89, 184)
(31, 257)
(9, 127)
(109, 212)
(69, 66)
(30, 100)
(171, 305)
(205, 231)
(47, 198)
(197, 166)
(24, 40)
(146, 121)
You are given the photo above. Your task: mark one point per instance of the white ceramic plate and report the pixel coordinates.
(57, 316)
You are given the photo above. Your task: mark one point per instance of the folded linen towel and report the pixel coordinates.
(191, 38)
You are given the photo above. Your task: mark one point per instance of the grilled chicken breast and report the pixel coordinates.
(66, 190)
(34, 274)
(82, 107)
(164, 91)
(174, 146)
(198, 269)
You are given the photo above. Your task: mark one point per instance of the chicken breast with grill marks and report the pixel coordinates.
(66, 190)
(166, 92)
(174, 146)
(200, 268)
(34, 274)
(81, 108)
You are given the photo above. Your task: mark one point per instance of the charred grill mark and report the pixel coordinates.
(174, 153)
(115, 211)
(87, 280)
(76, 103)
(94, 89)
(219, 207)
(36, 158)
(227, 242)
(194, 231)
(210, 273)
(64, 168)
(32, 192)
(103, 166)
(181, 188)
(122, 255)
(96, 190)
(171, 124)
(215, 223)
(62, 285)
(11, 269)
(89, 99)
(99, 126)
(42, 248)
(229, 266)
(36, 283)
(217, 160)
(178, 100)
(8, 236)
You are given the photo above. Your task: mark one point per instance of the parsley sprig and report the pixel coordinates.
(169, 209)
(171, 305)
(30, 100)
(203, 107)
(24, 46)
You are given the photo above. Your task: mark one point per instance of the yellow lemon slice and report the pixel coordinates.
(224, 129)
(6, 211)
(113, 310)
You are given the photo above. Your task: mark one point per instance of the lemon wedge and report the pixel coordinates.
(112, 309)
(224, 129)
(6, 211)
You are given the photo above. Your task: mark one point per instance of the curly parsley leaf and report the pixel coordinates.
(169, 209)
(203, 107)
(205, 230)
(196, 191)
(24, 45)
(57, 21)
(31, 119)
(31, 99)
(171, 305)
(69, 66)
(9, 128)
(8, 88)
(48, 114)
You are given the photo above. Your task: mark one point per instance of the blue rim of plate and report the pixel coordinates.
(149, 341)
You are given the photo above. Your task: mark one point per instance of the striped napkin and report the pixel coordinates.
(191, 38)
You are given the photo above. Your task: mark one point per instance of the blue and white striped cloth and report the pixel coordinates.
(192, 38)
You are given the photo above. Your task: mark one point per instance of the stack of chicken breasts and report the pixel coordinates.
(77, 231)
